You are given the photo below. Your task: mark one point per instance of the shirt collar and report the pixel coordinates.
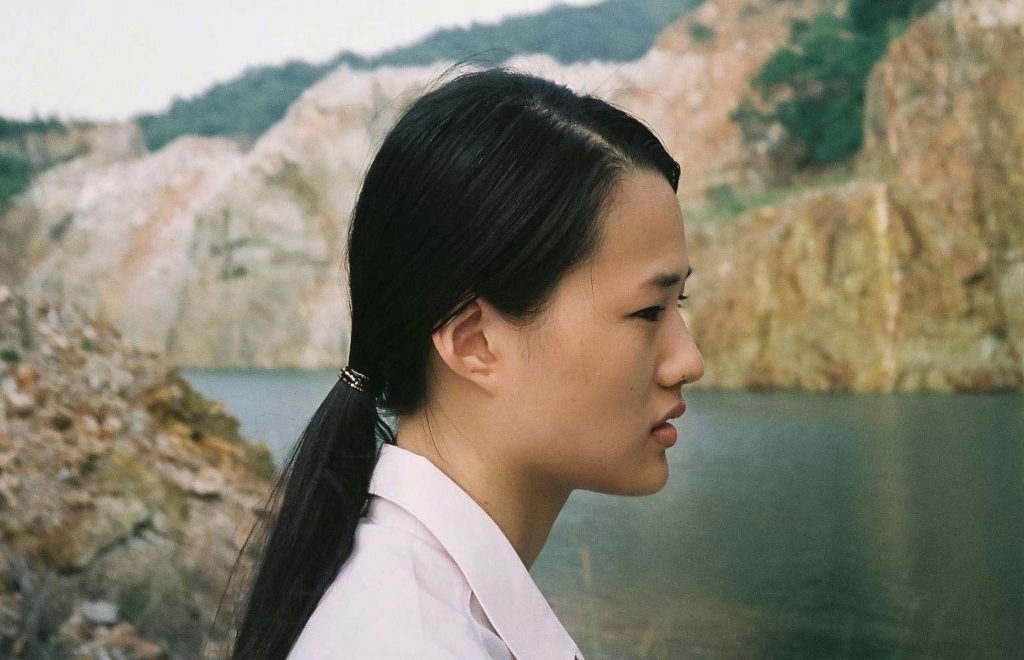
(511, 599)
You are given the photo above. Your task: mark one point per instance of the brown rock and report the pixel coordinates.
(910, 277)
(74, 631)
(89, 503)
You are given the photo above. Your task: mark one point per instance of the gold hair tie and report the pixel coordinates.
(354, 378)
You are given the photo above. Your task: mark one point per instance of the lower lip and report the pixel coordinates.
(664, 434)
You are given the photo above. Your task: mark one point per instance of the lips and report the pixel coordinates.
(675, 412)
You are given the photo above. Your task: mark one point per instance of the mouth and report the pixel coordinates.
(665, 434)
(673, 413)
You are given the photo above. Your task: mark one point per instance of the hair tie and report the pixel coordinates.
(354, 378)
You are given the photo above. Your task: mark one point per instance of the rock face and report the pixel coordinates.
(946, 131)
(228, 259)
(911, 277)
(125, 497)
(114, 238)
(908, 277)
(215, 257)
(685, 87)
(64, 157)
(267, 286)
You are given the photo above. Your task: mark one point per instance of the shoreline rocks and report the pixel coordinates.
(125, 496)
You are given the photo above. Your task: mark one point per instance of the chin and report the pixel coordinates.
(645, 480)
(655, 484)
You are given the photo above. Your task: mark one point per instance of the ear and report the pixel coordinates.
(466, 344)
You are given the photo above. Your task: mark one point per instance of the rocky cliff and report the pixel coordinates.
(696, 74)
(227, 259)
(71, 151)
(267, 285)
(909, 274)
(115, 238)
(911, 277)
(125, 497)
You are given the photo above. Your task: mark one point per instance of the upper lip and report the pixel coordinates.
(676, 411)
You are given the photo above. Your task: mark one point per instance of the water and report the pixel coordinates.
(272, 406)
(793, 525)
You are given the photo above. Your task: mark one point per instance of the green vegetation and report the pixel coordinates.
(12, 128)
(15, 174)
(616, 30)
(261, 460)
(913, 91)
(16, 171)
(245, 106)
(724, 201)
(752, 122)
(749, 11)
(726, 204)
(821, 75)
(59, 229)
(699, 32)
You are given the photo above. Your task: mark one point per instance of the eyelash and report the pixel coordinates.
(658, 310)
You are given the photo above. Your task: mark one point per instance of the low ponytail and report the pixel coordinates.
(325, 488)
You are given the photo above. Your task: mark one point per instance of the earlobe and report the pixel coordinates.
(463, 344)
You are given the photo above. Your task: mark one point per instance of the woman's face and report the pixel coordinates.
(594, 375)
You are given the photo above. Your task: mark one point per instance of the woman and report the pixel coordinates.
(513, 255)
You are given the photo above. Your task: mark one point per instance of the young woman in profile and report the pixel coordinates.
(514, 255)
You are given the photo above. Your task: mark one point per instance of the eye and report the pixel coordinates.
(653, 313)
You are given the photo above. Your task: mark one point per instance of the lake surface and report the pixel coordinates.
(793, 525)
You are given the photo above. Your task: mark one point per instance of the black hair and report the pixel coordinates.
(492, 184)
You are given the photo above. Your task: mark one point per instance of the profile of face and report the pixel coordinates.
(572, 399)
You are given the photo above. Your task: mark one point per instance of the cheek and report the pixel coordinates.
(564, 379)
(599, 374)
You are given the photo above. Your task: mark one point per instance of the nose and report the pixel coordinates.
(683, 362)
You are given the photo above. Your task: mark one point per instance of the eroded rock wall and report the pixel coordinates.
(125, 496)
(910, 277)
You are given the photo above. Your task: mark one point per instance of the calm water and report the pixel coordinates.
(793, 525)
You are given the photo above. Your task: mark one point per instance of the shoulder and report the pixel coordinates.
(397, 596)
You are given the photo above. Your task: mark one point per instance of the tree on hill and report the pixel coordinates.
(16, 170)
(814, 86)
(615, 30)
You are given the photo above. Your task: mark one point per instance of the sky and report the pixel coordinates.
(107, 60)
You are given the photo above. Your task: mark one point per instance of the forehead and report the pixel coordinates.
(643, 233)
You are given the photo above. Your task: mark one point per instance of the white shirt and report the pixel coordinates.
(431, 576)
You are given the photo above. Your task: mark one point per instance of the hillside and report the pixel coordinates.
(125, 496)
(30, 147)
(614, 31)
(910, 276)
(903, 277)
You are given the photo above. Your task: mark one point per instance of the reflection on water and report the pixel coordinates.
(793, 525)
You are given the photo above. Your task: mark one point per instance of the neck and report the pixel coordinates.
(524, 507)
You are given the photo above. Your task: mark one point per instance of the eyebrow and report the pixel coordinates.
(665, 280)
